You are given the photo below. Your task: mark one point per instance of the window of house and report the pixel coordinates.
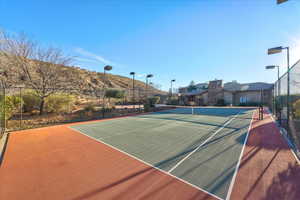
(243, 99)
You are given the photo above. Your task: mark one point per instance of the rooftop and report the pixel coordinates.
(231, 86)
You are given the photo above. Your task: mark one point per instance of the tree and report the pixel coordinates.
(296, 109)
(6, 69)
(192, 86)
(11, 106)
(114, 93)
(43, 69)
(153, 100)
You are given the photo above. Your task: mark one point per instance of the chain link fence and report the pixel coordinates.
(2, 110)
(24, 107)
(282, 101)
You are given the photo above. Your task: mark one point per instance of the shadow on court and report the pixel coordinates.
(286, 185)
(226, 174)
(216, 139)
(114, 184)
(257, 142)
(169, 160)
(261, 136)
(158, 187)
(267, 157)
(186, 119)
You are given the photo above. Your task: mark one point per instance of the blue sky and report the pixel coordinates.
(185, 40)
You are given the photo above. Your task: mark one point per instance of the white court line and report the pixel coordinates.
(239, 161)
(203, 143)
(148, 164)
(287, 139)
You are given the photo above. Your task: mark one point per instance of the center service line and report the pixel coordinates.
(202, 144)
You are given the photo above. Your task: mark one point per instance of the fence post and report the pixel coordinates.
(288, 87)
(4, 109)
(139, 99)
(21, 108)
(2, 114)
(70, 98)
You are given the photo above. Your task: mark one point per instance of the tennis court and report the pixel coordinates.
(200, 146)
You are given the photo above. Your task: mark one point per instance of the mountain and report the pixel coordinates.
(84, 80)
(96, 80)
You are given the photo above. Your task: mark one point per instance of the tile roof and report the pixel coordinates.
(235, 87)
(247, 86)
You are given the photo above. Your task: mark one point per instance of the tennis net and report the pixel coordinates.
(196, 110)
(177, 109)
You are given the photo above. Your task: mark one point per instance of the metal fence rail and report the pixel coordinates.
(2, 110)
(289, 120)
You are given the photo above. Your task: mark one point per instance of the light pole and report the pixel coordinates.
(147, 77)
(278, 83)
(133, 74)
(281, 1)
(106, 68)
(273, 67)
(173, 80)
(279, 50)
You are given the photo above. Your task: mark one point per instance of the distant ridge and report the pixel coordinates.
(88, 80)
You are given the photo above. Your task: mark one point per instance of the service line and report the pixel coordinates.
(202, 144)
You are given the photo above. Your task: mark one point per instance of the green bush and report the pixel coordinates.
(220, 102)
(114, 93)
(249, 104)
(296, 109)
(150, 103)
(59, 102)
(31, 101)
(153, 100)
(11, 105)
(173, 101)
(146, 107)
(106, 109)
(89, 108)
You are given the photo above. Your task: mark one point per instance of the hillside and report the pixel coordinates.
(96, 80)
(84, 80)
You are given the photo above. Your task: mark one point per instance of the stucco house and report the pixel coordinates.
(231, 93)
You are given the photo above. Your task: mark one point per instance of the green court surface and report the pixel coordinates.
(201, 147)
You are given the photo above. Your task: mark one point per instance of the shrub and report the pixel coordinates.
(31, 101)
(114, 93)
(106, 109)
(249, 104)
(153, 100)
(11, 106)
(59, 102)
(146, 107)
(89, 108)
(173, 101)
(191, 103)
(150, 103)
(220, 102)
(296, 109)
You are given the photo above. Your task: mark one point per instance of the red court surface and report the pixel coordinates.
(58, 163)
(268, 169)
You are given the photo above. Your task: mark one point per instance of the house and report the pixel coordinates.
(231, 93)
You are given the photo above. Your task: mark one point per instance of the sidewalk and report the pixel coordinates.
(268, 169)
